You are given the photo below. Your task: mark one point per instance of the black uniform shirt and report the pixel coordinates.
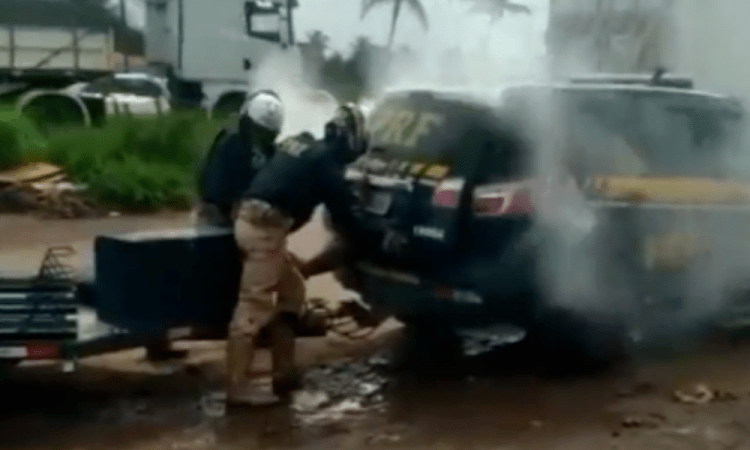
(303, 174)
(228, 169)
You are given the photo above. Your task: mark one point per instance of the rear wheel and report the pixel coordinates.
(5, 368)
(570, 343)
(431, 350)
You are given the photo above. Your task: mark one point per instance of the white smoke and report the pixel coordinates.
(305, 108)
(590, 275)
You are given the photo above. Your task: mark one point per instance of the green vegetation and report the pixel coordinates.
(20, 141)
(130, 163)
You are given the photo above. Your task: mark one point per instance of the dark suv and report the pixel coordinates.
(446, 188)
(592, 213)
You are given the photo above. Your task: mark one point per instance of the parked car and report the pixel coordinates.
(127, 93)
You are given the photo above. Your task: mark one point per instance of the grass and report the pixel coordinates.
(20, 141)
(130, 163)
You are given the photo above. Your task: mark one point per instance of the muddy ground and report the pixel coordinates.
(119, 401)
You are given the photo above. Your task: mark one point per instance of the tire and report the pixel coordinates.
(569, 343)
(5, 368)
(430, 350)
(50, 109)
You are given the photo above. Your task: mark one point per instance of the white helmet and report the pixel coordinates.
(265, 109)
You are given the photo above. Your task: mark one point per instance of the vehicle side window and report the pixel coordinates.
(603, 135)
(503, 158)
(263, 22)
(102, 86)
(140, 87)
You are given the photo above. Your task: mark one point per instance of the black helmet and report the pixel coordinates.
(349, 122)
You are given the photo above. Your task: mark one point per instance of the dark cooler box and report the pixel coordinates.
(169, 278)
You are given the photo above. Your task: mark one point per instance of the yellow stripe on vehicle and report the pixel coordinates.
(416, 168)
(673, 190)
(436, 171)
(670, 252)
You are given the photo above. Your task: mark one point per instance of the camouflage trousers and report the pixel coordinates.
(271, 285)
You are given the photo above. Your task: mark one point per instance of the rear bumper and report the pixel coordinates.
(405, 295)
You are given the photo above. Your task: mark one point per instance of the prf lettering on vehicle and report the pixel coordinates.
(405, 169)
(404, 127)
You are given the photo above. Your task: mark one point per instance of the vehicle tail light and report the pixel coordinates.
(498, 201)
(448, 193)
(42, 351)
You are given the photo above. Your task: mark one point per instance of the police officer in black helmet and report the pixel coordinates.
(281, 198)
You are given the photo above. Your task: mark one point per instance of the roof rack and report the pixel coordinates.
(658, 78)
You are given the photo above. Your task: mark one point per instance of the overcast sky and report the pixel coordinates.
(450, 26)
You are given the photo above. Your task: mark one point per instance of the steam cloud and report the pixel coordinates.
(305, 108)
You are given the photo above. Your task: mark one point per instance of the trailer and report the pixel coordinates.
(59, 62)
(181, 284)
(45, 44)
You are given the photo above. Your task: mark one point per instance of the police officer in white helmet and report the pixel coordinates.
(235, 157)
(233, 160)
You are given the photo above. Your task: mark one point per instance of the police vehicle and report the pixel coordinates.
(589, 213)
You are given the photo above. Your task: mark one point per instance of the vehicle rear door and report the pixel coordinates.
(418, 174)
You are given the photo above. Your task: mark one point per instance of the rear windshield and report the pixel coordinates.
(638, 132)
(457, 134)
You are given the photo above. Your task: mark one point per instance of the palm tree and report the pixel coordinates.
(496, 9)
(318, 41)
(415, 6)
(313, 55)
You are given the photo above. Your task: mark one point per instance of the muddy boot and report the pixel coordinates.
(286, 379)
(241, 391)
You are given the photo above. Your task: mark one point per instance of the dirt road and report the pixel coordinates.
(118, 401)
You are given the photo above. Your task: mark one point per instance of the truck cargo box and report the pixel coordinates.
(163, 279)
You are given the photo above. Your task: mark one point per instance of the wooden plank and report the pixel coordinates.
(29, 173)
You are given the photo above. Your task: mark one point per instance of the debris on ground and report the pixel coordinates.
(309, 401)
(214, 404)
(356, 380)
(384, 438)
(637, 390)
(653, 420)
(43, 189)
(335, 392)
(703, 394)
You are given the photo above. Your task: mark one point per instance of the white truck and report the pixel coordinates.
(58, 64)
(705, 40)
(210, 50)
(33, 50)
